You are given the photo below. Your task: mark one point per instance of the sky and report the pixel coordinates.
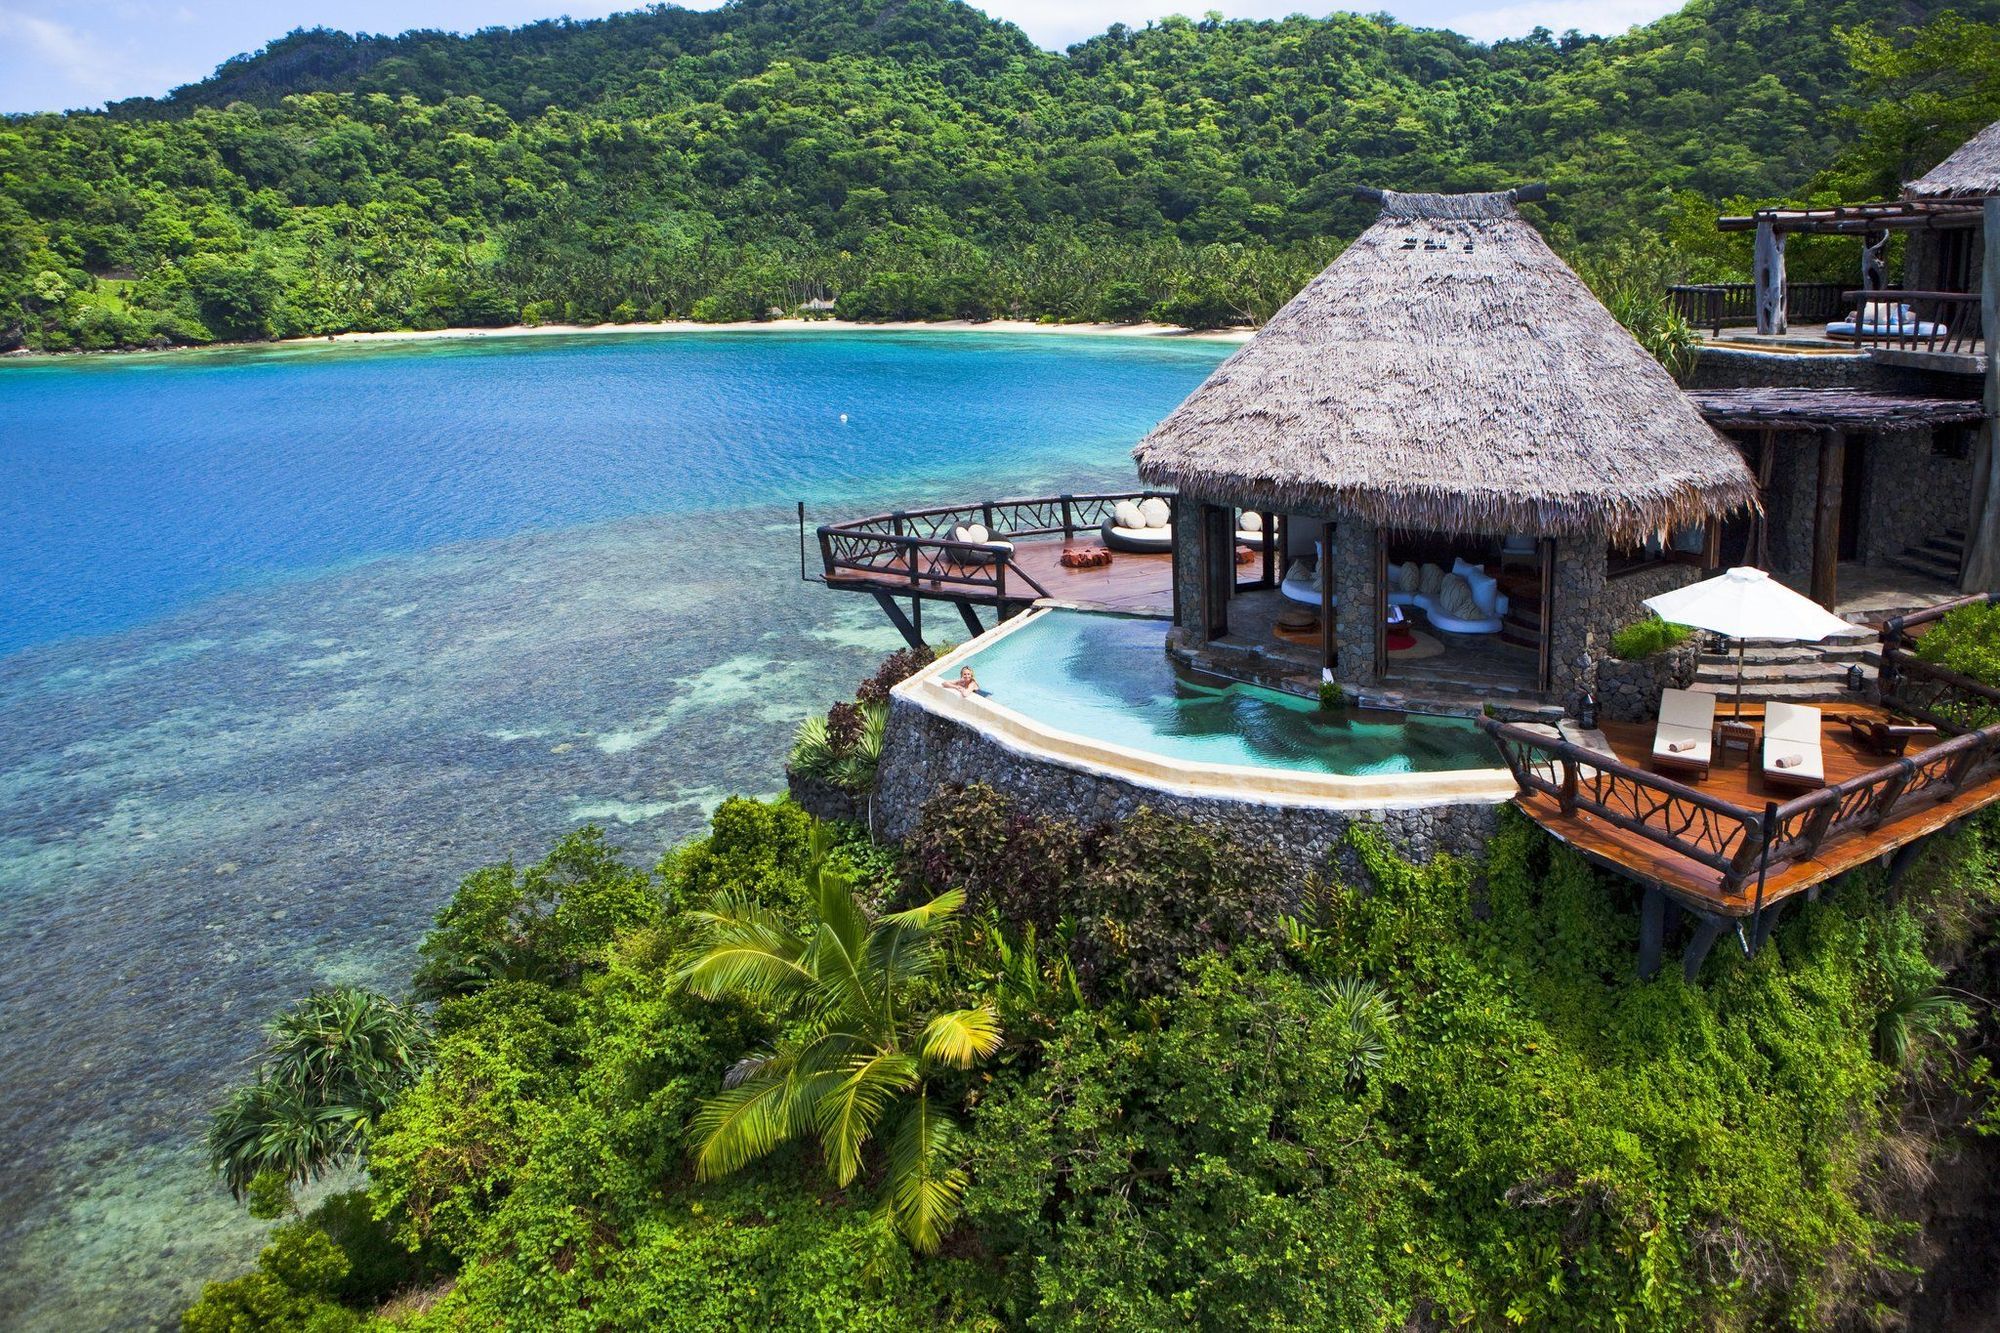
(65, 54)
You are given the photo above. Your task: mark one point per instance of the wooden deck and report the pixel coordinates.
(1140, 584)
(1737, 780)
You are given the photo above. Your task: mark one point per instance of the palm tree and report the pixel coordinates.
(331, 1065)
(854, 1057)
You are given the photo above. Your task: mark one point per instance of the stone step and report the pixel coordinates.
(1794, 692)
(1795, 671)
(1920, 561)
(1798, 654)
(1946, 547)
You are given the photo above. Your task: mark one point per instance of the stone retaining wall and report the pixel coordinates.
(924, 752)
(1630, 691)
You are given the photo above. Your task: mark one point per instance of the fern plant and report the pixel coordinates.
(857, 1060)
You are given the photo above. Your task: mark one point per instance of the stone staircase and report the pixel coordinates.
(1783, 669)
(1936, 557)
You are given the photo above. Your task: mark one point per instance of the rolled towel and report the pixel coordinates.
(1679, 747)
(1788, 761)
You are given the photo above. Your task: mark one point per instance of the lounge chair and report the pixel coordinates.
(1791, 746)
(1684, 740)
(1880, 319)
(1887, 736)
(1146, 527)
(975, 534)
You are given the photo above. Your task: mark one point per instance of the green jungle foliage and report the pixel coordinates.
(1643, 638)
(1181, 1091)
(912, 159)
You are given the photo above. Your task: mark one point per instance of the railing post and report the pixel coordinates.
(1569, 784)
(1069, 518)
(986, 516)
(1764, 858)
(1889, 793)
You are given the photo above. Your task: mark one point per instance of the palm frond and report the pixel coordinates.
(741, 1124)
(846, 1116)
(902, 948)
(961, 1038)
(925, 1183)
(745, 949)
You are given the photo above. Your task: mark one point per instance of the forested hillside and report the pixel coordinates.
(910, 157)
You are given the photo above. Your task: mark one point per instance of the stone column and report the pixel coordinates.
(1190, 566)
(1578, 638)
(1354, 619)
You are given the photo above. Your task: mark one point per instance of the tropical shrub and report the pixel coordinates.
(292, 1288)
(331, 1064)
(547, 923)
(1645, 638)
(1145, 892)
(1967, 641)
(896, 668)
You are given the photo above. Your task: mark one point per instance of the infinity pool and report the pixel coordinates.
(1108, 678)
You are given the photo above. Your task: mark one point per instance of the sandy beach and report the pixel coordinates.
(1137, 330)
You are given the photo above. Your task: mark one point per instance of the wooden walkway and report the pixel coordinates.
(1738, 780)
(1140, 584)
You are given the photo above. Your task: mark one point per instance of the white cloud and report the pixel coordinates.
(92, 73)
(1492, 22)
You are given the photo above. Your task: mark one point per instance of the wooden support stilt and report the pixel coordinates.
(1769, 260)
(899, 620)
(1652, 932)
(1707, 931)
(1767, 921)
(1899, 866)
(971, 619)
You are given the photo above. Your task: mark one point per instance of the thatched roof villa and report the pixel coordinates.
(1445, 409)
(1971, 172)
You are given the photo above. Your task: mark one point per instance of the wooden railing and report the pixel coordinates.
(1742, 845)
(1716, 305)
(916, 546)
(1929, 692)
(1941, 321)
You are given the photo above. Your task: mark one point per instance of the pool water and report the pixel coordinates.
(1108, 678)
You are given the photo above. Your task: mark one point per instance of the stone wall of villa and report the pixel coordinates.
(924, 752)
(1910, 493)
(1789, 502)
(1624, 598)
(1190, 611)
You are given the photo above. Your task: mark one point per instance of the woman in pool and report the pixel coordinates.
(965, 684)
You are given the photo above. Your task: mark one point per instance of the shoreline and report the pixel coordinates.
(1141, 329)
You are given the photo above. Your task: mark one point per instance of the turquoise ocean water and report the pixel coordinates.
(291, 639)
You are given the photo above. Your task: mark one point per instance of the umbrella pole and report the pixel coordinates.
(1740, 643)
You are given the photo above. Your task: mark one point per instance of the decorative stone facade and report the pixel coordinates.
(923, 752)
(1354, 619)
(1625, 594)
(1910, 492)
(1580, 634)
(1630, 691)
(821, 799)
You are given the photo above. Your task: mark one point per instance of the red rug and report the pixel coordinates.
(1400, 639)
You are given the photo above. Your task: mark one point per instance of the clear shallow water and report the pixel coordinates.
(255, 727)
(1107, 678)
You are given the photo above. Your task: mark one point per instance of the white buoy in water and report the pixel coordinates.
(843, 418)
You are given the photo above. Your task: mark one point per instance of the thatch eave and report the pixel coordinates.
(1971, 172)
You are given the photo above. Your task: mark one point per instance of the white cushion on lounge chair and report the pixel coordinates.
(1793, 729)
(1154, 535)
(1125, 514)
(1685, 715)
(1156, 512)
(1249, 521)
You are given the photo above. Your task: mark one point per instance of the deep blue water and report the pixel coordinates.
(136, 486)
(292, 639)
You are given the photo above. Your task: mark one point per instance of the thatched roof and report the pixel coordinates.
(1972, 172)
(1448, 372)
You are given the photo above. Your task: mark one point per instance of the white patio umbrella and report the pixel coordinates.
(1747, 603)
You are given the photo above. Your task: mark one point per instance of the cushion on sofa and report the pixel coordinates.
(1125, 514)
(1454, 598)
(1302, 570)
(1429, 579)
(1157, 512)
(1249, 521)
(1404, 577)
(1485, 590)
